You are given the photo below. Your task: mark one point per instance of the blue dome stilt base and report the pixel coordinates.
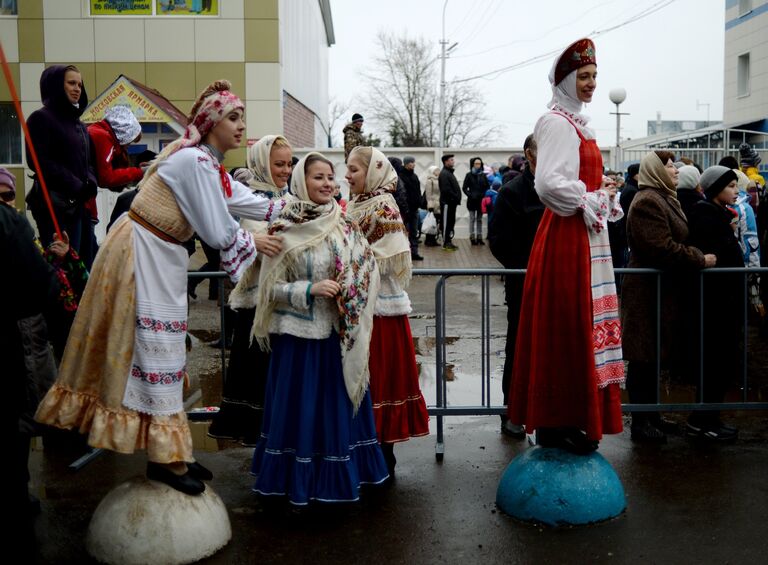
(556, 487)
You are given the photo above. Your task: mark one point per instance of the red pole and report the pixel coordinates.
(33, 153)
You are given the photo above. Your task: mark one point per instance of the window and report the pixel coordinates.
(9, 8)
(742, 75)
(10, 135)
(745, 7)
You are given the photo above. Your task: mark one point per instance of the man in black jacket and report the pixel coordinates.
(511, 232)
(450, 198)
(413, 195)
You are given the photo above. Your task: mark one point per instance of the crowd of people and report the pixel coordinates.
(322, 377)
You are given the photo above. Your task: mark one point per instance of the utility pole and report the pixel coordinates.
(443, 43)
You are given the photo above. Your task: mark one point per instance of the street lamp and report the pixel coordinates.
(617, 96)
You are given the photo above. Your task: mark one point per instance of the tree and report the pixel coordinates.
(402, 97)
(336, 111)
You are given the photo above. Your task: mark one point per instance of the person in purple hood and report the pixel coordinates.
(66, 161)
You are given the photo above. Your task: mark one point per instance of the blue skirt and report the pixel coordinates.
(311, 446)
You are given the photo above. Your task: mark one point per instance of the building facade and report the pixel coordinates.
(745, 94)
(275, 53)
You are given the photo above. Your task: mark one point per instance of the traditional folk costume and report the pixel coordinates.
(318, 437)
(398, 404)
(242, 405)
(122, 376)
(568, 360)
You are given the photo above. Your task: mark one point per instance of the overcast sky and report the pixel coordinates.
(666, 61)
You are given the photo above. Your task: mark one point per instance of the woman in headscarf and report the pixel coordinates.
(657, 230)
(568, 366)
(398, 404)
(316, 301)
(432, 194)
(242, 404)
(122, 376)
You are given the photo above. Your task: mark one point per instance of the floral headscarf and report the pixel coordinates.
(376, 211)
(245, 293)
(210, 111)
(258, 164)
(303, 225)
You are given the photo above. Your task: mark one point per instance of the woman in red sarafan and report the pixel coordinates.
(398, 405)
(568, 359)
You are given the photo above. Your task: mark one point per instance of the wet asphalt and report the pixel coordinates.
(687, 502)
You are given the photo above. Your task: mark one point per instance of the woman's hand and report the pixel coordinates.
(269, 245)
(59, 247)
(710, 260)
(328, 288)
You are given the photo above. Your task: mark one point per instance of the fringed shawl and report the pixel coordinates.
(378, 216)
(303, 225)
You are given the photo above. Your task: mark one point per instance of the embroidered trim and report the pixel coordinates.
(155, 325)
(158, 377)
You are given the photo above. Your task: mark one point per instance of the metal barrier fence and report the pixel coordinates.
(441, 408)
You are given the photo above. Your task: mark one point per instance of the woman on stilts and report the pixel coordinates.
(122, 377)
(568, 360)
(315, 311)
(398, 404)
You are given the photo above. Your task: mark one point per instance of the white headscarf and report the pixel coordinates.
(123, 123)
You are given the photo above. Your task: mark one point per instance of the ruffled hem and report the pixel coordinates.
(323, 478)
(398, 421)
(165, 438)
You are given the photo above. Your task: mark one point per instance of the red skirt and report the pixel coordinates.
(398, 405)
(554, 383)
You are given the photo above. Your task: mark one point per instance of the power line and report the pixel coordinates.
(538, 37)
(483, 19)
(661, 4)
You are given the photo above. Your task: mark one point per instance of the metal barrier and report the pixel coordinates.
(485, 408)
(441, 409)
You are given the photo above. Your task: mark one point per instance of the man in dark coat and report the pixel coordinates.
(413, 196)
(511, 232)
(66, 159)
(401, 199)
(450, 198)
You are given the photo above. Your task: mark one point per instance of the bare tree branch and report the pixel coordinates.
(402, 98)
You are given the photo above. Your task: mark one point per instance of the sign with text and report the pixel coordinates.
(121, 7)
(124, 93)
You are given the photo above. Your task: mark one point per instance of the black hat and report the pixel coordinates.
(357, 118)
(408, 159)
(729, 161)
(447, 156)
(715, 179)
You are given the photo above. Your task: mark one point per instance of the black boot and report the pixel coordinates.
(388, 449)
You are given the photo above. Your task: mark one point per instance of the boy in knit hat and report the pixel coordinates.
(712, 225)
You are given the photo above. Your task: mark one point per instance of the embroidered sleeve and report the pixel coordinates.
(247, 204)
(557, 167)
(238, 255)
(599, 209)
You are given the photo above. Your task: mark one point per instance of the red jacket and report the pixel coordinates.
(113, 168)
